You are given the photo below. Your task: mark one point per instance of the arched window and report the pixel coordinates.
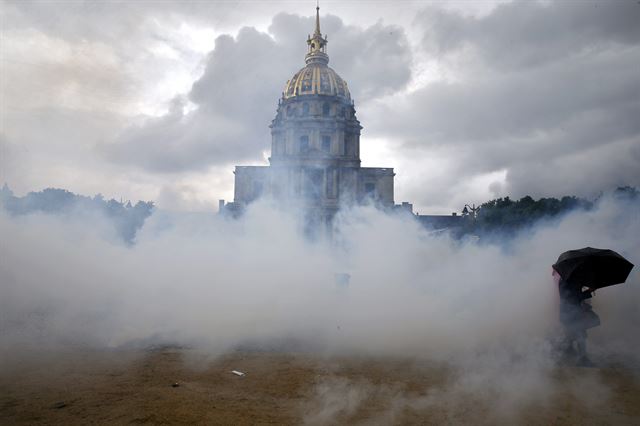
(304, 143)
(326, 109)
(326, 143)
(370, 189)
(305, 109)
(279, 145)
(330, 174)
(313, 183)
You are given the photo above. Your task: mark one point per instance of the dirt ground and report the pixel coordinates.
(177, 386)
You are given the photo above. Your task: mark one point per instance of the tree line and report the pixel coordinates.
(503, 217)
(126, 218)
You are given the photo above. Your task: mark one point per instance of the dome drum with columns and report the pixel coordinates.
(315, 147)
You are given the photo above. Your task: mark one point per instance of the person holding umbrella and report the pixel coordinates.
(574, 319)
(579, 273)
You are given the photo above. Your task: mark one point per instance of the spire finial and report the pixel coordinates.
(318, 18)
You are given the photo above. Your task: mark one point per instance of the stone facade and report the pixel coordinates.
(315, 146)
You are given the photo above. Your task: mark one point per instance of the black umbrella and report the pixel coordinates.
(592, 267)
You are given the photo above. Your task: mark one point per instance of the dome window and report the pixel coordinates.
(305, 109)
(326, 109)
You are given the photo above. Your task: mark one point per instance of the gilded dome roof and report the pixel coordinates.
(316, 79)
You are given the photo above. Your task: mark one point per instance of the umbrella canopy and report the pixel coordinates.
(592, 267)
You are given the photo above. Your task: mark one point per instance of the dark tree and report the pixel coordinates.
(504, 217)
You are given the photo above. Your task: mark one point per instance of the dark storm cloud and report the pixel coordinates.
(493, 106)
(608, 166)
(547, 92)
(177, 141)
(244, 76)
(523, 34)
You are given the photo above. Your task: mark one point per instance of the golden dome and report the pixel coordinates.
(316, 79)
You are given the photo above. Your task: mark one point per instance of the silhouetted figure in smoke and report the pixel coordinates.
(576, 317)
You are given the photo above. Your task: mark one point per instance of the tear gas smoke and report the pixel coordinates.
(214, 284)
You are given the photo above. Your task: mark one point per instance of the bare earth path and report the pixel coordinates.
(283, 388)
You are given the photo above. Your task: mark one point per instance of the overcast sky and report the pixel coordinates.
(468, 100)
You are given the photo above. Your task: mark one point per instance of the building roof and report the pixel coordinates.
(317, 78)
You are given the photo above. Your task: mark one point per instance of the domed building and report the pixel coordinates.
(315, 146)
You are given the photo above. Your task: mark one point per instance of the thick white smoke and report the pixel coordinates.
(214, 283)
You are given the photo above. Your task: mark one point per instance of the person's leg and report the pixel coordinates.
(566, 345)
(581, 343)
(581, 347)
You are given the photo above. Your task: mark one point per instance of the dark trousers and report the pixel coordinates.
(575, 341)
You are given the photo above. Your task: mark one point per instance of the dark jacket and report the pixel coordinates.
(571, 298)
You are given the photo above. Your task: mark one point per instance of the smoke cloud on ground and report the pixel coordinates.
(216, 284)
